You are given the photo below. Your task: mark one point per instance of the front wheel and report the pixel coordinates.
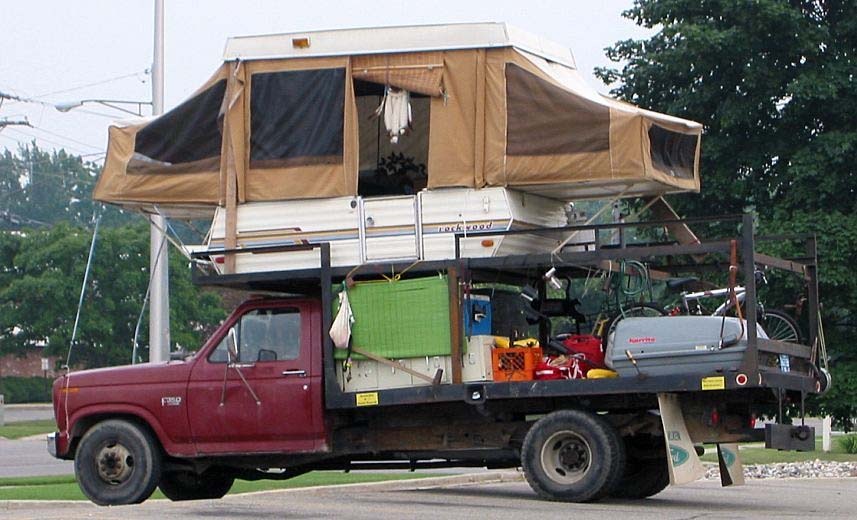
(118, 462)
(572, 456)
(184, 485)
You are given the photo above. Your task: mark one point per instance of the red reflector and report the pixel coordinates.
(715, 417)
(219, 259)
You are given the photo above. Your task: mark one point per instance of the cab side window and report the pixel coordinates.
(264, 335)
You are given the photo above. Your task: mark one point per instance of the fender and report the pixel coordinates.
(107, 410)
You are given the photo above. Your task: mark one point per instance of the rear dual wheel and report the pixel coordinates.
(572, 456)
(184, 485)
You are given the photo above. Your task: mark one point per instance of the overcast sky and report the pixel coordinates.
(65, 50)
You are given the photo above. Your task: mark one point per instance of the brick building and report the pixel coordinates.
(29, 365)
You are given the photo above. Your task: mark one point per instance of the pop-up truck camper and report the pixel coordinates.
(398, 202)
(385, 142)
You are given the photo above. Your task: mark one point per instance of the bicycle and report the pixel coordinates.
(777, 324)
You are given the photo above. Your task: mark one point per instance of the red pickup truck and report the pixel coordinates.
(252, 407)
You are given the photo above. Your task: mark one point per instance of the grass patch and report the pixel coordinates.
(16, 430)
(65, 487)
(760, 455)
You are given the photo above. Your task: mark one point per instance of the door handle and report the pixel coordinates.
(299, 373)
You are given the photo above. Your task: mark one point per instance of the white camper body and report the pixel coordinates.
(396, 228)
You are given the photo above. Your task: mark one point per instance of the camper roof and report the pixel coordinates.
(381, 40)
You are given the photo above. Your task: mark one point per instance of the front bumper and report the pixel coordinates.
(52, 443)
(58, 445)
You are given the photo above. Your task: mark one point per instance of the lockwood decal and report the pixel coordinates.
(458, 227)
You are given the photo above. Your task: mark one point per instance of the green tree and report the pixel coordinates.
(48, 187)
(40, 286)
(773, 81)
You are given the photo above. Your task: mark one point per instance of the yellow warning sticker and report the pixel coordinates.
(367, 399)
(714, 383)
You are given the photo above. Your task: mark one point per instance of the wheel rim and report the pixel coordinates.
(779, 329)
(115, 463)
(566, 457)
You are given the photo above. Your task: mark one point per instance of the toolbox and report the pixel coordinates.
(673, 345)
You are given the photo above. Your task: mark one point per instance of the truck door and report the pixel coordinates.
(268, 398)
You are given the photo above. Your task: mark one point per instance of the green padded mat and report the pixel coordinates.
(400, 319)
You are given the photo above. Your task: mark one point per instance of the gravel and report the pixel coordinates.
(809, 469)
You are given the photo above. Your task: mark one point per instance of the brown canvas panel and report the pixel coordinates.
(315, 181)
(138, 166)
(453, 123)
(544, 119)
(116, 184)
(626, 146)
(495, 117)
(420, 72)
(547, 169)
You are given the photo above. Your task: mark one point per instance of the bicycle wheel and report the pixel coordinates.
(638, 310)
(780, 326)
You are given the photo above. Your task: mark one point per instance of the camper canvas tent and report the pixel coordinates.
(289, 117)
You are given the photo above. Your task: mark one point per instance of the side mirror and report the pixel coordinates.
(232, 345)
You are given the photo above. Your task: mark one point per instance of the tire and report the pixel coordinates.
(643, 478)
(572, 456)
(780, 326)
(117, 462)
(184, 485)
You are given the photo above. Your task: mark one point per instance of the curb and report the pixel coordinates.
(468, 479)
(386, 485)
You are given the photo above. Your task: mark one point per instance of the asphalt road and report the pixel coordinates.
(27, 412)
(30, 458)
(829, 498)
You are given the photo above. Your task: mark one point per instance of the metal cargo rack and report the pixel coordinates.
(675, 259)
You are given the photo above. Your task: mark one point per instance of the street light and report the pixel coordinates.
(115, 104)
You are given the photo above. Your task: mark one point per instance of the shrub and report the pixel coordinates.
(848, 443)
(25, 389)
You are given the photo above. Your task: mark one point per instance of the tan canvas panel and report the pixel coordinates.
(310, 180)
(626, 146)
(452, 138)
(495, 117)
(193, 182)
(545, 119)
(420, 72)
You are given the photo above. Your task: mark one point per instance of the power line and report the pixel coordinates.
(93, 84)
(50, 141)
(40, 129)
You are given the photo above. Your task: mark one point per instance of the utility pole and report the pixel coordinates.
(159, 298)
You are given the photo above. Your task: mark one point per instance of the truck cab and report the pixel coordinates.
(255, 387)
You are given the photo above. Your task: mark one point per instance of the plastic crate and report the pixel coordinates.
(516, 363)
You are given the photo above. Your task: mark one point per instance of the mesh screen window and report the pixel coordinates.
(297, 117)
(672, 152)
(186, 133)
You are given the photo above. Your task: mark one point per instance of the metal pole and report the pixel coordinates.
(159, 304)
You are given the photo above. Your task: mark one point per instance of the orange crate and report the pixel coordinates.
(515, 364)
